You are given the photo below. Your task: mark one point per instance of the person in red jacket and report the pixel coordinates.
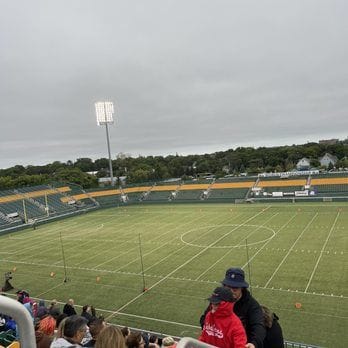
(222, 328)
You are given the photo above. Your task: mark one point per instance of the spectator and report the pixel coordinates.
(52, 305)
(246, 307)
(60, 326)
(274, 335)
(2, 322)
(43, 336)
(95, 326)
(153, 341)
(110, 337)
(22, 295)
(135, 340)
(69, 309)
(86, 312)
(59, 319)
(222, 328)
(70, 332)
(168, 342)
(10, 324)
(47, 325)
(41, 310)
(125, 332)
(29, 307)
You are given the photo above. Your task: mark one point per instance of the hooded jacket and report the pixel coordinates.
(250, 313)
(62, 342)
(223, 328)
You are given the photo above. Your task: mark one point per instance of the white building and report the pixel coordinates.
(303, 164)
(327, 159)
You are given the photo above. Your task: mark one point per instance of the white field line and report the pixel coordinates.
(36, 245)
(153, 250)
(179, 267)
(229, 251)
(287, 223)
(81, 246)
(89, 258)
(301, 292)
(91, 248)
(179, 323)
(54, 287)
(321, 252)
(122, 314)
(159, 247)
(38, 242)
(291, 248)
(170, 278)
(182, 247)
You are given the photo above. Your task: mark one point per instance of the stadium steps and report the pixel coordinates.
(145, 195)
(174, 195)
(308, 183)
(5, 218)
(205, 194)
(251, 188)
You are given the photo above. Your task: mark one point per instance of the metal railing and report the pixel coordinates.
(23, 319)
(188, 342)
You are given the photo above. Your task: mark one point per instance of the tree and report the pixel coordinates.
(76, 176)
(85, 164)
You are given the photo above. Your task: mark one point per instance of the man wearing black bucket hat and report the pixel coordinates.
(246, 307)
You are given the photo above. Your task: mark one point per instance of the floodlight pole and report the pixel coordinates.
(64, 263)
(110, 162)
(142, 264)
(104, 111)
(248, 261)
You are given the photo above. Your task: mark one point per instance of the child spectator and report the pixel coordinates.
(222, 328)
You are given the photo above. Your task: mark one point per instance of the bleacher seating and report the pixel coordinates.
(157, 196)
(228, 194)
(31, 203)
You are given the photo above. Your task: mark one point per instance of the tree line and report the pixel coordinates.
(154, 168)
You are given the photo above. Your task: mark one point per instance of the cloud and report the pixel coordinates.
(188, 77)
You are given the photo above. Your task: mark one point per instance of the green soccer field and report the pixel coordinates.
(291, 254)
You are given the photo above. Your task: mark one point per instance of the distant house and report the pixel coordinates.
(303, 164)
(328, 141)
(327, 159)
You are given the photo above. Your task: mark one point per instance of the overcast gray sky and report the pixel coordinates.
(185, 76)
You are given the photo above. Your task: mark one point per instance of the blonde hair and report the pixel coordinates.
(110, 337)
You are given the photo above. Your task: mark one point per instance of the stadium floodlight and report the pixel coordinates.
(104, 112)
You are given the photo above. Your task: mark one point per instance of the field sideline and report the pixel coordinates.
(296, 253)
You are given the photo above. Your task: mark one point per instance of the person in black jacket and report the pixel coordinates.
(274, 335)
(69, 308)
(246, 307)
